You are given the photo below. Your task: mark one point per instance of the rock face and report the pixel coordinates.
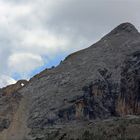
(15, 87)
(129, 97)
(96, 83)
(9, 102)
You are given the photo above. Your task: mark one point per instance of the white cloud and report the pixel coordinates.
(24, 62)
(6, 80)
(10, 12)
(45, 42)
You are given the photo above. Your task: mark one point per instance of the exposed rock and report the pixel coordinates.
(129, 98)
(9, 102)
(124, 27)
(4, 124)
(98, 101)
(8, 107)
(96, 83)
(15, 87)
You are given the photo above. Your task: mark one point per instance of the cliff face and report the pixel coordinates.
(96, 83)
(129, 97)
(10, 99)
(15, 87)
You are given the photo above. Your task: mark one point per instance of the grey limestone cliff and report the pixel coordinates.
(96, 83)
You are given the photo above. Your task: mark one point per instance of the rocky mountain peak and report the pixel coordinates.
(98, 83)
(124, 28)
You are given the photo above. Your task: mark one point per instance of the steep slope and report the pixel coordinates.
(99, 82)
(10, 99)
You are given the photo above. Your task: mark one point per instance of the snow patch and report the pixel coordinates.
(22, 84)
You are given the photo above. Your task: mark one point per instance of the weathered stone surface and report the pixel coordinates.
(9, 102)
(8, 106)
(15, 87)
(93, 84)
(129, 97)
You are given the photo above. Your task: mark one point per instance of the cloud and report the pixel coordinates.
(6, 80)
(24, 62)
(33, 32)
(91, 18)
(44, 42)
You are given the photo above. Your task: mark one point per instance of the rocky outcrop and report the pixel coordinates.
(15, 87)
(8, 106)
(94, 84)
(129, 97)
(97, 102)
(9, 102)
(124, 27)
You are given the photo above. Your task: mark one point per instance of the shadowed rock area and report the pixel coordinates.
(93, 94)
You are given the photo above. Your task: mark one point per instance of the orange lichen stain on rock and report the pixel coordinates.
(121, 108)
(138, 107)
(79, 107)
(129, 108)
(97, 92)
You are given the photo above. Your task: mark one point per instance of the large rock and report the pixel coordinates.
(96, 83)
(14, 87)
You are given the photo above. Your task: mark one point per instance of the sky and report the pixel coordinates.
(38, 34)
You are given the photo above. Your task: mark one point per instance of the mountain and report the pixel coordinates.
(93, 94)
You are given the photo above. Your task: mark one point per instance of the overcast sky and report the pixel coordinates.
(35, 34)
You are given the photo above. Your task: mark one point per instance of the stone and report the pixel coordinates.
(82, 97)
